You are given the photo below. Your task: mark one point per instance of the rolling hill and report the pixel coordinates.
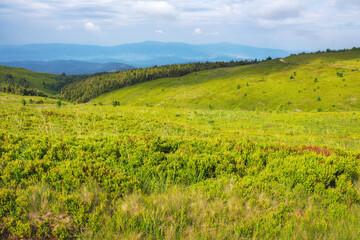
(49, 84)
(69, 67)
(33, 79)
(306, 82)
(184, 169)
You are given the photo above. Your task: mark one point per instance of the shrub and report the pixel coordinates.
(23, 102)
(115, 103)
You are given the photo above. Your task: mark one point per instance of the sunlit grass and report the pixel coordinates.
(311, 83)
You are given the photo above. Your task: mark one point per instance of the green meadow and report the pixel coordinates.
(308, 82)
(261, 151)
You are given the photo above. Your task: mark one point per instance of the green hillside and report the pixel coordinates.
(92, 87)
(309, 82)
(34, 79)
(194, 166)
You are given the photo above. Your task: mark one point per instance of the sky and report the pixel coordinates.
(307, 25)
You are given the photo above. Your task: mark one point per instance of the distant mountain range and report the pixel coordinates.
(142, 54)
(70, 67)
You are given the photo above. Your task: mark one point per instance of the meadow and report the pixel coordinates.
(240, 150)
(91, 171)
(307, 82)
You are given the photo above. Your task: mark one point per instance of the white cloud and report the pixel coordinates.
(280, 9)
(90, 26)
(159, 31)
(198, 31)
(63, 27)
(245, 21)
(157, 9)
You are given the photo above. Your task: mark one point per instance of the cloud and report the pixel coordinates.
(198, 31)
(243, 21)
(159, 31)
(63, 27)
(91, 27)
(280, 9)
(157, 9)
(348, 2)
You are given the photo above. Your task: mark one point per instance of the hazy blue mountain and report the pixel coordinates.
(70, 67)
(137, 54)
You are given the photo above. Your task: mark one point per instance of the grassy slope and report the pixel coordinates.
(270, 86)
(191, 174)
(326, 129)
(35, 79)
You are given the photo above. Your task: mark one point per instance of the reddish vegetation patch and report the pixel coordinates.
(294, 149)
(317, 149)
(271, 149)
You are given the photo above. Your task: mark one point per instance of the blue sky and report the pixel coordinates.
(285, 24)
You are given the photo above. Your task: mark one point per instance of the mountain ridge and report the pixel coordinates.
(143, 54)
(69, 67)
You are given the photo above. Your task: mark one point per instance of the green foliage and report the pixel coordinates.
(19, 90)
(88, 172)
(116, 103)
(23, 102)
(340, 74)
(58, 103)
